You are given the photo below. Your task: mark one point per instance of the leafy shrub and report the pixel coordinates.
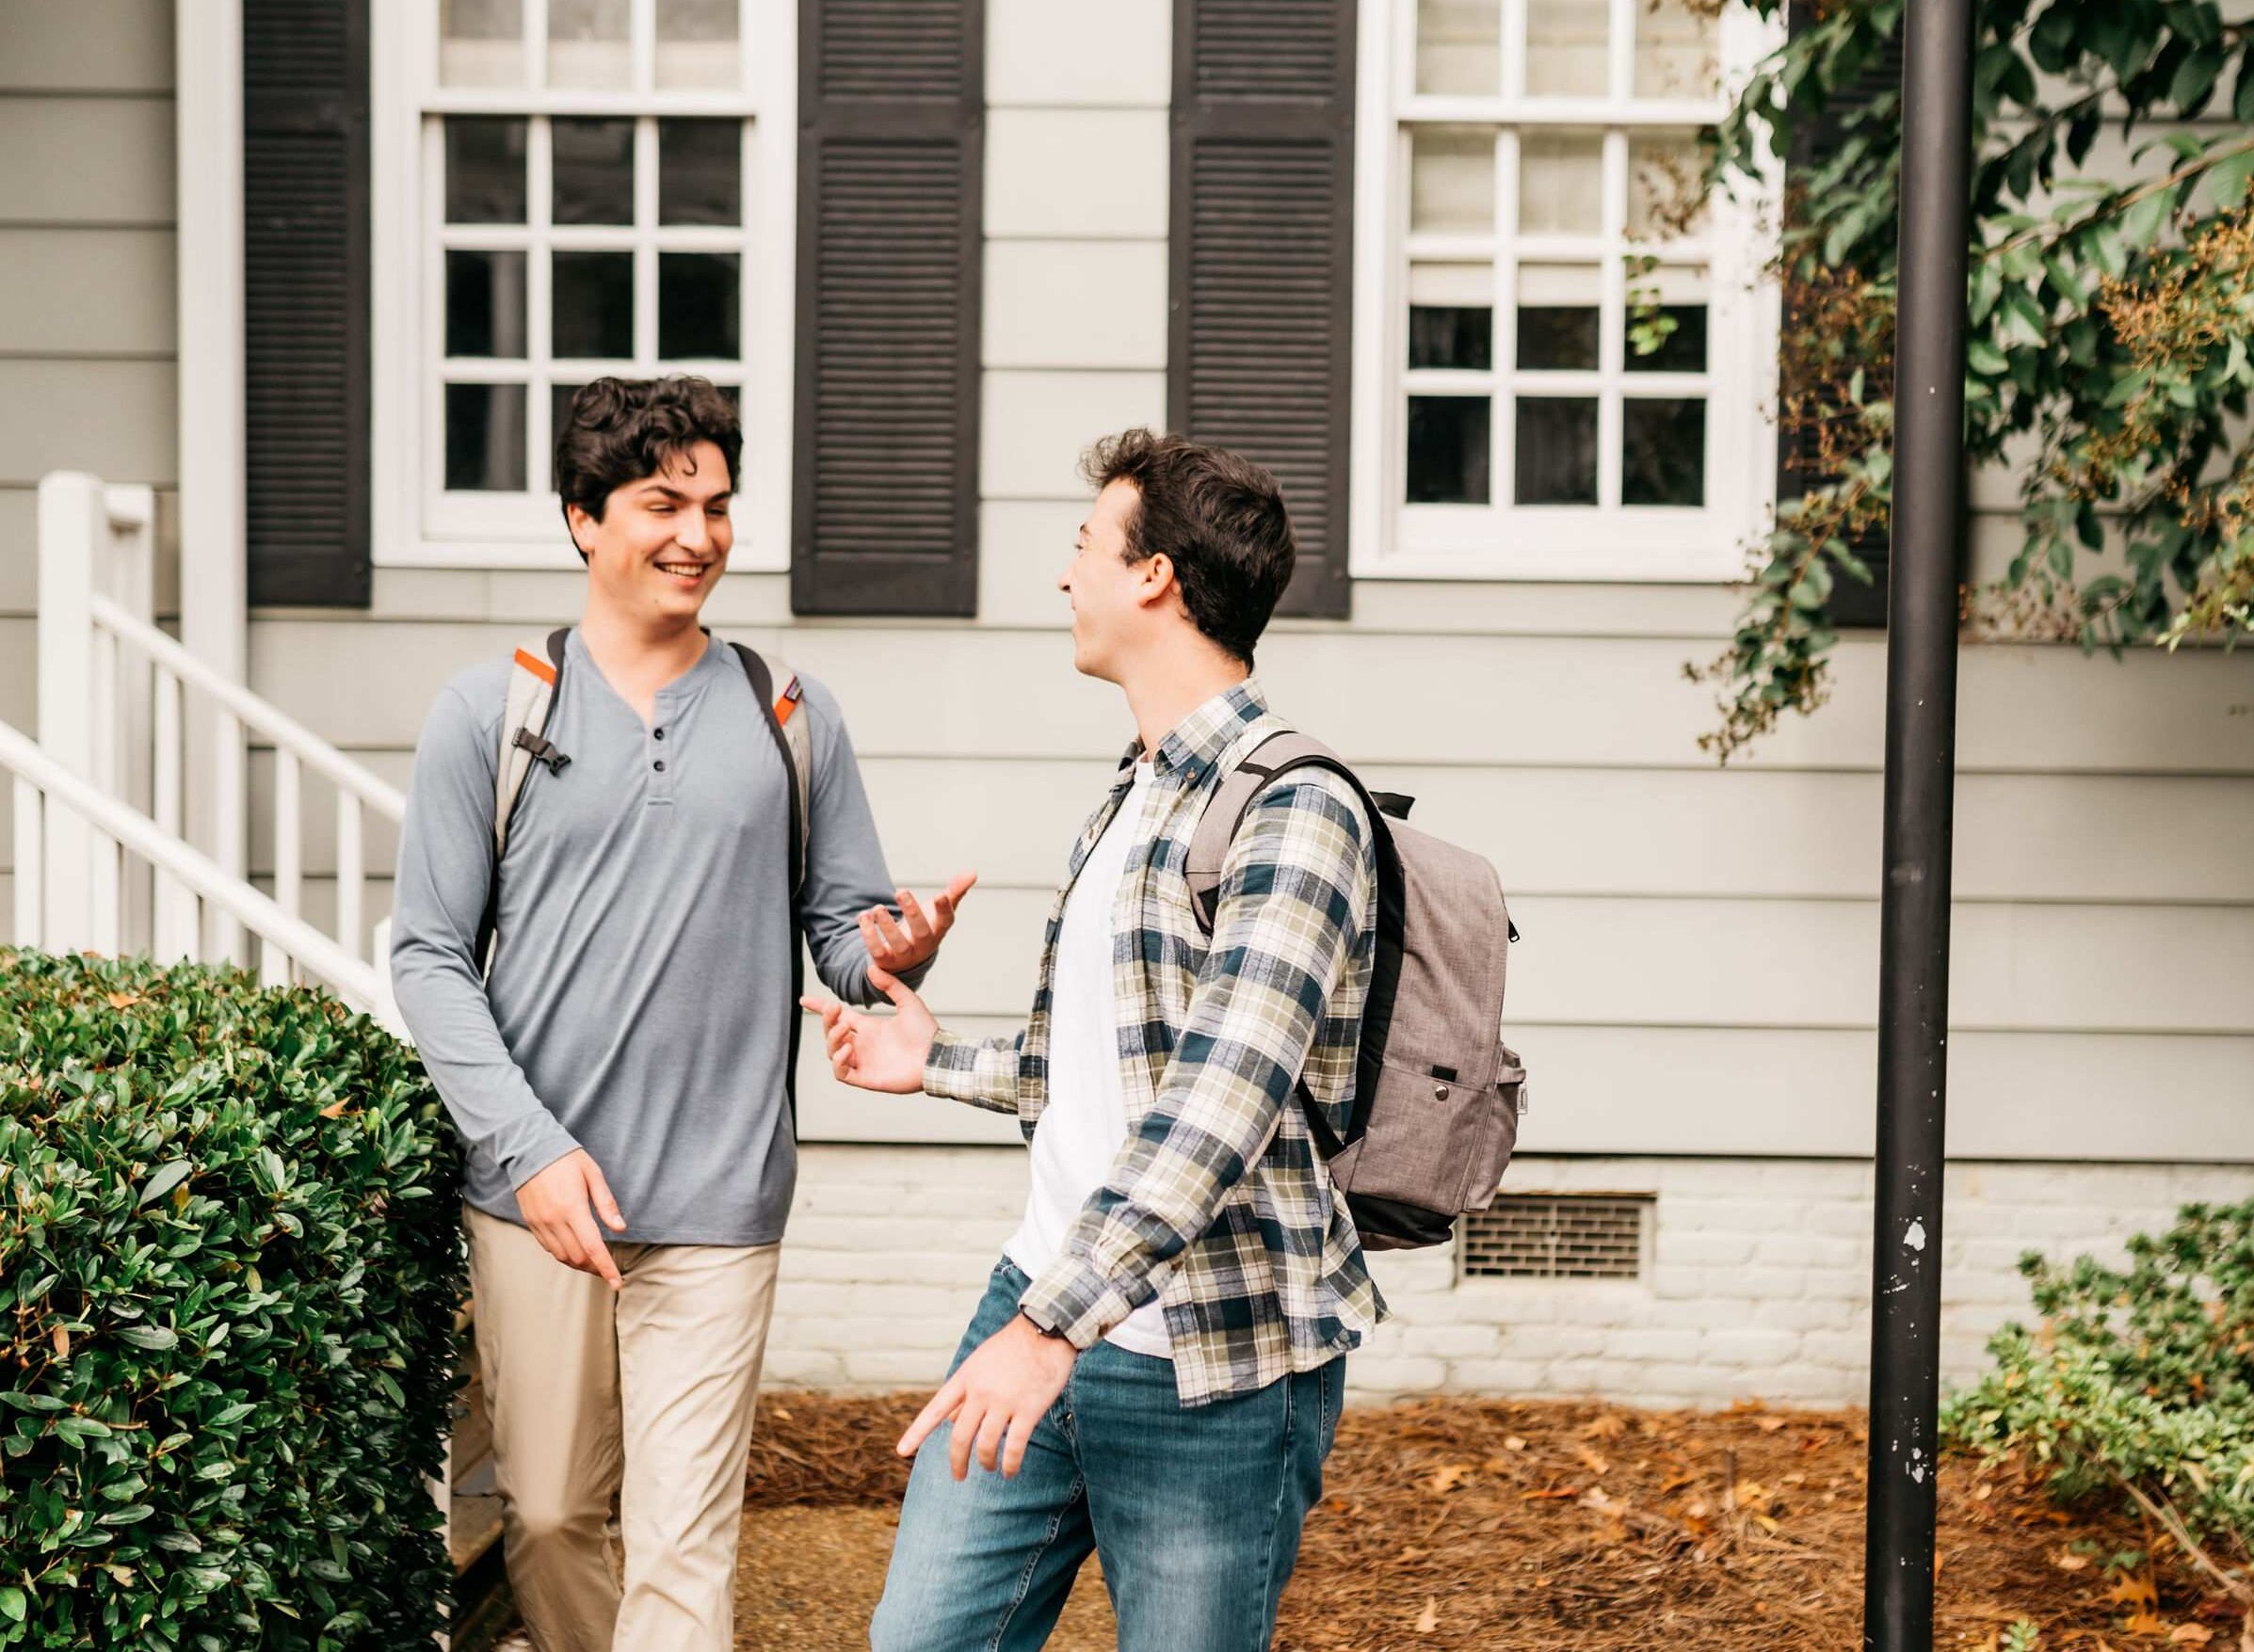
(229, 1270)
(2140, 1379)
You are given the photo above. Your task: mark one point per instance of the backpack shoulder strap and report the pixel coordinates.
(1225, 810)
(534, 678)
(775, 685)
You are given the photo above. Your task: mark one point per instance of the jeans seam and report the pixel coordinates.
(1265, 1604)
(1033, 1563)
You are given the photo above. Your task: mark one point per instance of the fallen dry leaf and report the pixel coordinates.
(1590, 1461)
(333, 1109)
(2065, 1560)
(1552, 1495)
(1450, 1476)
(122, 1000)
(2134, 1589)
(2146, 1622)
(1771, 1424)
(2191, 1634)
(1609, 1426)
(1428, 1619)
(62, 1341)
(1513, 1443)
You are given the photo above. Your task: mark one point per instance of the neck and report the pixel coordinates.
(1173, 683)
(632, 648)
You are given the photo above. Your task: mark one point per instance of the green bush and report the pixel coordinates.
(229, 1264)
(2140, 1381)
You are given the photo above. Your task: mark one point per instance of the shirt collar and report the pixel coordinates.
(1198, 741)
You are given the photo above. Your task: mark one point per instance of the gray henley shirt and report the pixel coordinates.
(639, 1003)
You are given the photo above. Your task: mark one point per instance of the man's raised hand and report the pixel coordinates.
(902, 943)
(878, 1053)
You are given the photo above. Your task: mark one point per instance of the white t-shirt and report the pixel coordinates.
(1084, 1123)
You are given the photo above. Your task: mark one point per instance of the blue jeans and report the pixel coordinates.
(1194, 1514)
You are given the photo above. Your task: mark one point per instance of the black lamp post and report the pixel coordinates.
(1920, 761)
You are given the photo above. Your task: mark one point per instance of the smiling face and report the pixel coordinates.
(1115, 601)
(662, 541)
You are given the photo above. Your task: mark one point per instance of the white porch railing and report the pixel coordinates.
(50, 802)
(127, 710)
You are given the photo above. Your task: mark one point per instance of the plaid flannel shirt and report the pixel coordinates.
(1217, 1203)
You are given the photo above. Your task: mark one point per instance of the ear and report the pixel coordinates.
(1154, 579)
(582, 526)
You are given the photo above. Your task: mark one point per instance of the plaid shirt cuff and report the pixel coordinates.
(981, 1072)
(1071, 1298)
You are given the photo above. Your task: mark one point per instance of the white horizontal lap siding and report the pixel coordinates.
(86, 294)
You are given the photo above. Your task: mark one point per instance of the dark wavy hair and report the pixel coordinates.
(623, 430)
(1217, 515)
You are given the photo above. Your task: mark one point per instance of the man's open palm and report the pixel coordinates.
(902, 942)
(878, 1053)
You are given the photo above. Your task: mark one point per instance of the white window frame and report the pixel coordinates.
(1393, 539)
(416, 522)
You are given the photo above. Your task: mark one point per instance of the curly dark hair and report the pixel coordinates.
(623, 430)
(1217, 515)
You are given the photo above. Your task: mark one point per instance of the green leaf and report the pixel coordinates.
(152, 1337)
(1985, 359)
(167, 1177)
(12, 1603)
(24, 1401)
(2145, 218)
(2194, 81)
(2227, 180)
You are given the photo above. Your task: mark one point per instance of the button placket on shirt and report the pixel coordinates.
(662, 766)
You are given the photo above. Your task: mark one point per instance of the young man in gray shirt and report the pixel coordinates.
(625, 1057)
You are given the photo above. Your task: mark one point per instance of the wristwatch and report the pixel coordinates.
(1050, 1332)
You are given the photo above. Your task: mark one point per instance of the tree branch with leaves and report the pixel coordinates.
(2107, 354)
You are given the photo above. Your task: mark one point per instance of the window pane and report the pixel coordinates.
(1460, 46)
(485, 437)
(699, 305)
(697, 44)
(594, 171)
(485, 304)
(1557, 450)
(700, 172)
(593, 304)
(588, 44)
(559, 419)
(1451, 180)
(1662, 187)
(1680, 351)
(1565, 43)
(1561, 184)
(1452, 316)
(481, 42)
(1677, 49)
(1663, 452)
(1447, 449)
(1559, 317)
(1447, 336)
(485, 169)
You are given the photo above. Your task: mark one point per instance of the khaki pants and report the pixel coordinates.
(648, 1393)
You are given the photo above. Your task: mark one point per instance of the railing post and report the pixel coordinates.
(73, 523)
(127, 575)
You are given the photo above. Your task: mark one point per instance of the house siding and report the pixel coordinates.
(88, 322)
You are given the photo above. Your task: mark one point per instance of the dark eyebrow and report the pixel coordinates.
(676, 496)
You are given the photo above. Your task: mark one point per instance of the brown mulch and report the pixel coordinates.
(1489, 1524)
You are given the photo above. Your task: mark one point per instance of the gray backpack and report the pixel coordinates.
(1438, 1096)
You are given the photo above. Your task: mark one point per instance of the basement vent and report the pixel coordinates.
(1554, 1236)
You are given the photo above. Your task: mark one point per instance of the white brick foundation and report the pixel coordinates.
(1756, 1283)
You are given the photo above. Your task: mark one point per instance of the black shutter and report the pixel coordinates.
(305, 300)
(1261, 249)
(892, 98)
(1852, 602)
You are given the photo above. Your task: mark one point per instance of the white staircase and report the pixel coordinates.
(131, 806)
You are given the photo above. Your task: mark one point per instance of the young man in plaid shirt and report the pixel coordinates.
(1156, 1370)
